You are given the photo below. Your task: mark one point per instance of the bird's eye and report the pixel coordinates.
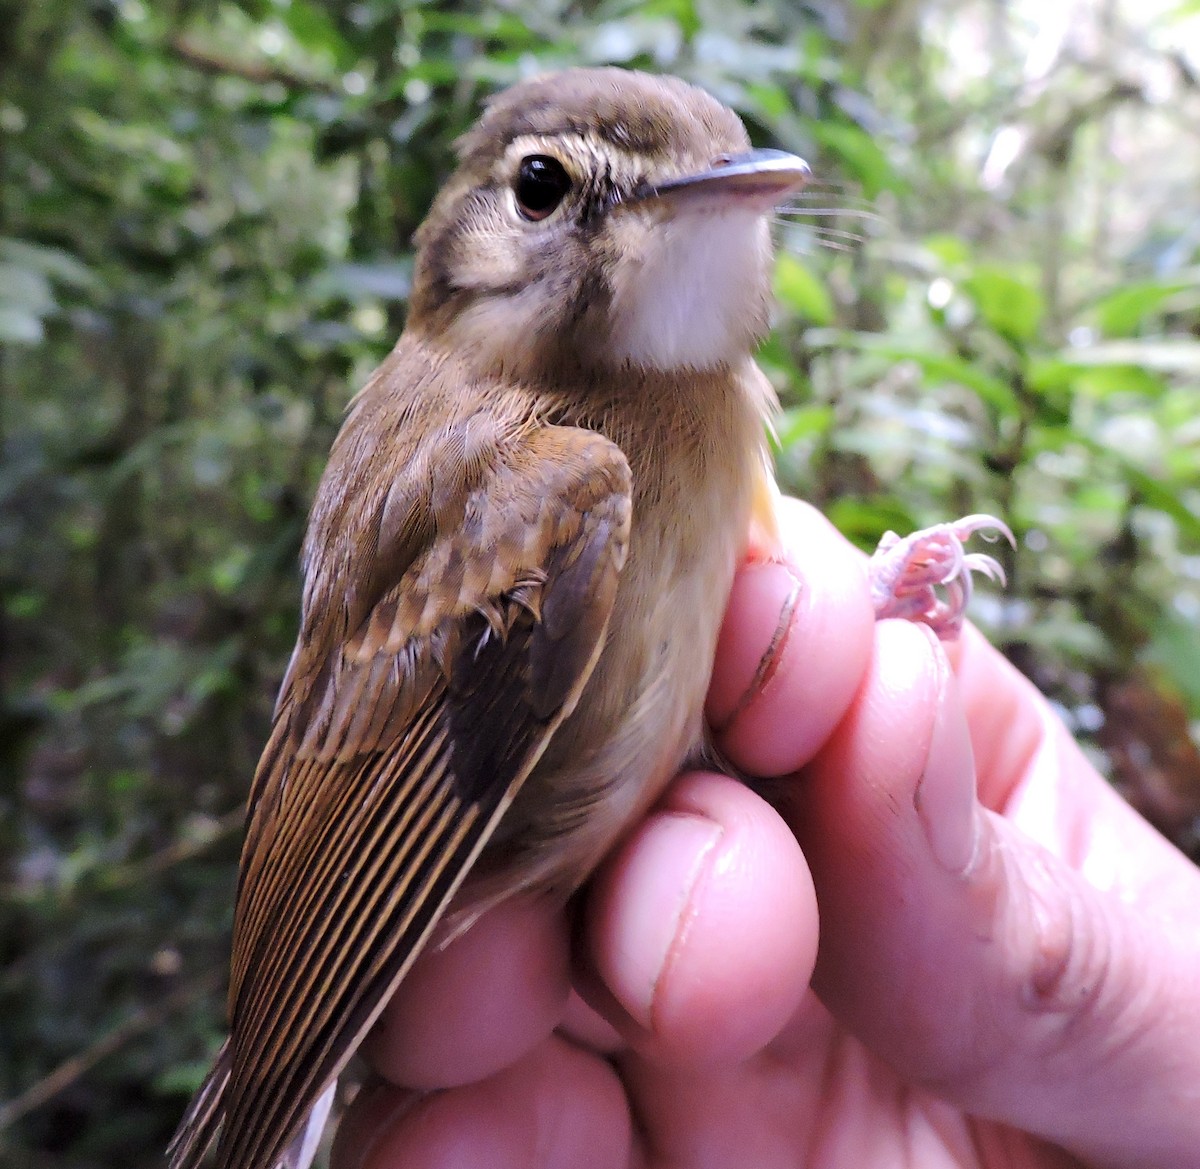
(541, 185)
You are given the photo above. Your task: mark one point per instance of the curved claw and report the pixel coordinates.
(989, 566)
(988, 526)
(905, 572)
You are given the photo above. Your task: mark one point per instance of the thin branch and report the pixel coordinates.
(62, 1077)
(207, 61)
(178, 851)
(122, 877)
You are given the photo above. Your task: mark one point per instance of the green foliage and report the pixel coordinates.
(799, 290)
(28, 274)
(205, 223)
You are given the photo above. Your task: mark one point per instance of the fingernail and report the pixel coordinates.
(945, 795)
(753, 638)
(657, 919)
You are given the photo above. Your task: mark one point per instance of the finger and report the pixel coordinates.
(479, 1003)
(795, 640)
(1038, 777)
(587, 1027)
(557, 1108)
(703, 928)
(971, 959)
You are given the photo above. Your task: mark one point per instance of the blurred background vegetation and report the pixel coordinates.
(989, 303)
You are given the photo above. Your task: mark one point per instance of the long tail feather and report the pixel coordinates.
(201, 1123)
(300, 1153)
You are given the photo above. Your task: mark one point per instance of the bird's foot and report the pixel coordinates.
(905, 574)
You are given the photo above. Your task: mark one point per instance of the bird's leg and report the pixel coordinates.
(905, 574)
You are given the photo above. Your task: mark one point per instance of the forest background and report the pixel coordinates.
(990, 303)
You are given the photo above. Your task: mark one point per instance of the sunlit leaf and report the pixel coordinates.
(801, 422)
(1168, 356)
(802, 291)
(1010, 304)
(941, 368)
(20, 326)
(53, 262)
(859, 153)
(865, 520)
(1121, 313)
(951, 250)
(313, 27)
(1175, 649)
(386, 281)
(25, 288)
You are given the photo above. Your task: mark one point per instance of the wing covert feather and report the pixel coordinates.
(384, 777)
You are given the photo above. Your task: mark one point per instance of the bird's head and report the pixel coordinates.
(618, 217)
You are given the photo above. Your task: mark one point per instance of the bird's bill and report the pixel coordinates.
(766, 175)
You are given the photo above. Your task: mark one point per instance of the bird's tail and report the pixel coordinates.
(202, 1122)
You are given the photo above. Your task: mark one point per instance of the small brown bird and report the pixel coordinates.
(515, 569)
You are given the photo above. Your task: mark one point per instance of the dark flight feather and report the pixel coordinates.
(382, 782)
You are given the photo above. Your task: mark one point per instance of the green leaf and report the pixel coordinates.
(181, 1079)
(53, 262)
(1048, 376)
(355, 282)
(19, 327)
(1175, 649)
(769, 101)
(1009, 304)
(949, 249)
(1178, 357)
(25, 288)
(1102, 381)
(865, 520)
(1152, 492)
(802, 291)
(1159, 495)
(940, 368)
(313, 28)
(1122, 312)
(801, 422)
(859, 154)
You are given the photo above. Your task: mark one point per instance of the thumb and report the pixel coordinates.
(979, 964)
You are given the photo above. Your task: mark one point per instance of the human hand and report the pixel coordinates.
(1009, 956)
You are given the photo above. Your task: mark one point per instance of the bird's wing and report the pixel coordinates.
(382, 782)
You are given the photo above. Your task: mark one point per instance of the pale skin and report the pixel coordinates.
(1009, 962)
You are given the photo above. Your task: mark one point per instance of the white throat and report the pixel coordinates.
(697, 297)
